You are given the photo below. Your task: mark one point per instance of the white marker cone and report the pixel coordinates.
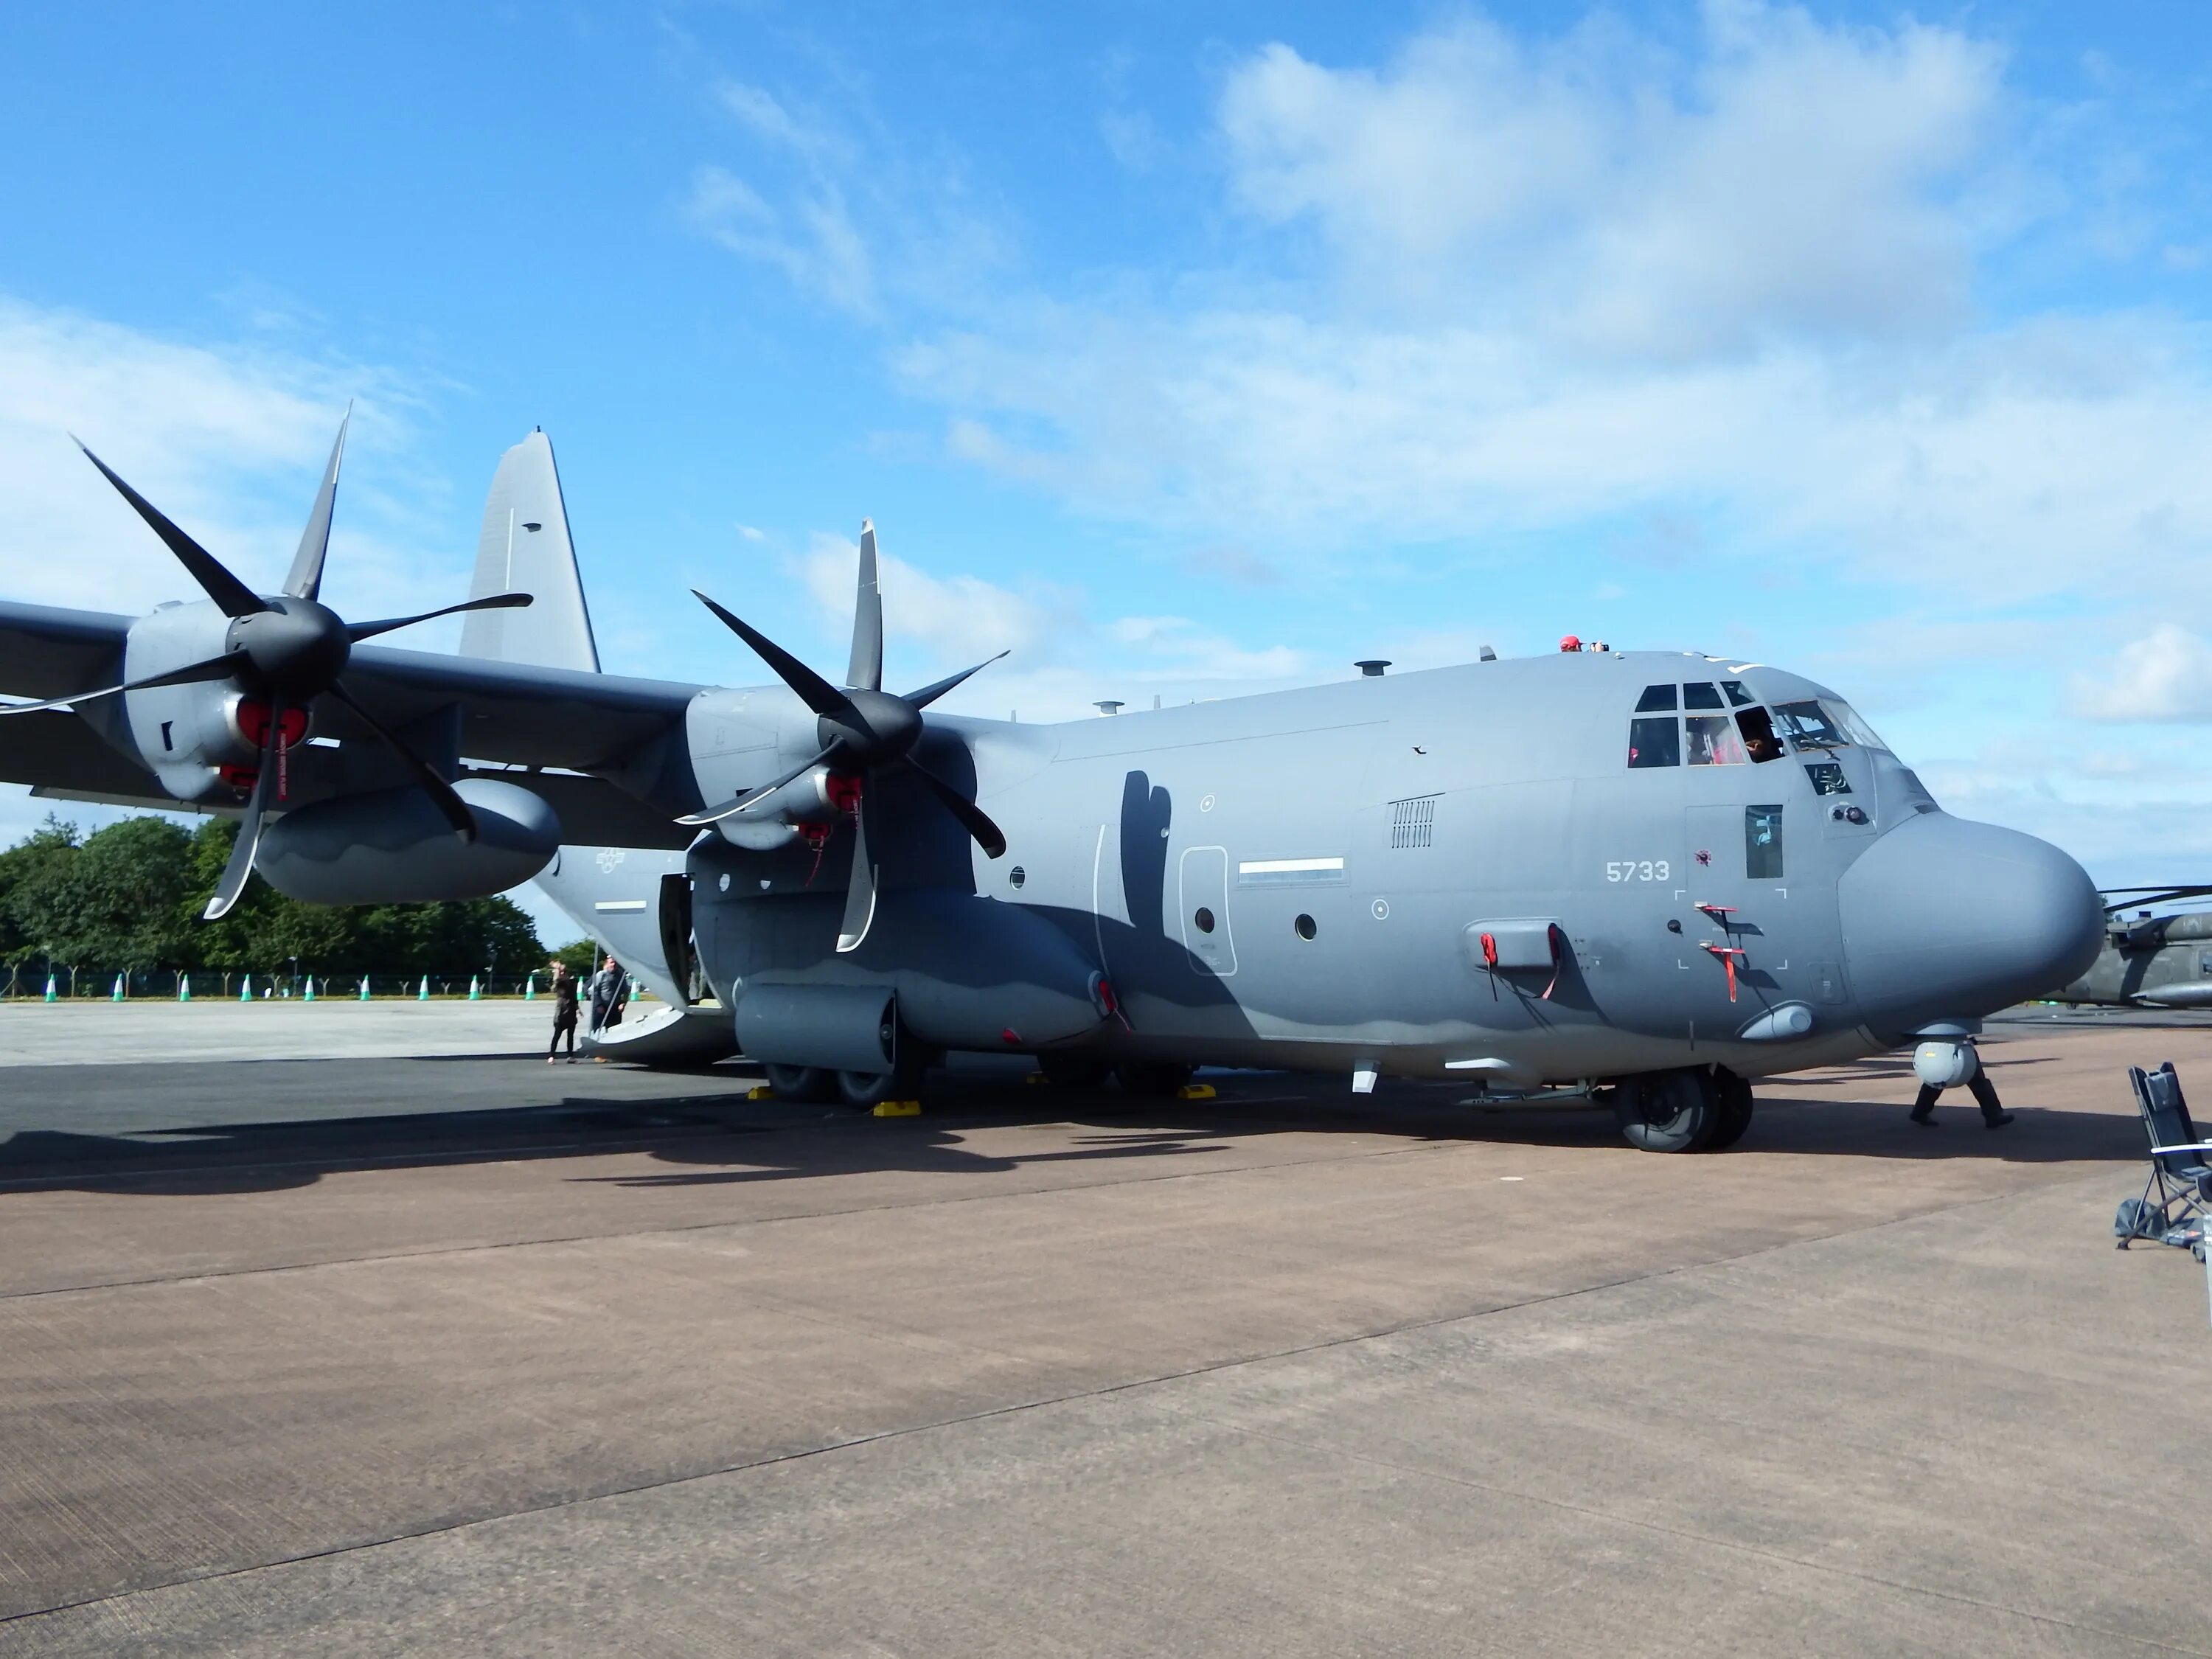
(364, 987)
(184, 987)
(423, 991)
(116, 995)
(49, 987)
(245, 989)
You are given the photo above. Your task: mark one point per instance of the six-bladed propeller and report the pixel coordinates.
(286, 649)
(864, 732)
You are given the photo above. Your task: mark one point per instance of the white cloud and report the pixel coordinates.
(1570, 281)
(1789, 177)
(228, 439)
(2165, 676)
(954, 620)
(812, 241)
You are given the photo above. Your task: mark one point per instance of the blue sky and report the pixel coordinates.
(1183, 349)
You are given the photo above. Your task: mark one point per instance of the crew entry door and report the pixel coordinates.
(1738, 882)
(1204, 893)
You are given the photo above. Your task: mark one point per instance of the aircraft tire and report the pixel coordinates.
(1736, 1109)
(874, 1088)
(1073, 1071)
(1153, 1077)
(1676, 1111)
(809, 1084)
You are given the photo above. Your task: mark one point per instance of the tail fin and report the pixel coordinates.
(525, 548)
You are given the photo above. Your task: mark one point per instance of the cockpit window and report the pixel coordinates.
(1737, 696)
(1828, 778)
(1806, 725)
(1656, 697)
(1712, 741)
(1701, 694)
(1655, 742)
(1759, 739)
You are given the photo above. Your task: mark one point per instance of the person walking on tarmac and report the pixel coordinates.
(1944, 1064)
(565, 1010)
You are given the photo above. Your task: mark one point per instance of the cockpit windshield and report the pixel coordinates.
(1823, 723)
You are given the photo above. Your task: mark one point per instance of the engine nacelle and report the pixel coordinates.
(189, 735)
(394, 847)
(848, 1028)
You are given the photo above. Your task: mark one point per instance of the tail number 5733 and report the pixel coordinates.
(1637, 870)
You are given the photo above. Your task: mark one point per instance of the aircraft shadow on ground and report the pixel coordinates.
(723, 1138)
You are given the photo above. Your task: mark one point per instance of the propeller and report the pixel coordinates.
(287, 649)
(865, 732)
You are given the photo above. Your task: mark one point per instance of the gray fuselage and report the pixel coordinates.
(1307, 878)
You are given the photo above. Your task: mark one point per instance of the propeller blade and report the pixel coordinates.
(860, 893)
(305, 579)
(741, 802)
(235, 597)
(440, 792)
(240, 866)
(930, 693)
(814, 691)
(214, 668)
(866, 671)
(976, 822)
(359, 631)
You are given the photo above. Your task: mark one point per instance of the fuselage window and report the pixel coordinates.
(1204, 919)
(1701, 694)
(1655, 742)
(1828, 778)
(1759, 739)
(1737, 696)
(1655, 698)
(2204, 961)
(1762, 843)
(1712, 741)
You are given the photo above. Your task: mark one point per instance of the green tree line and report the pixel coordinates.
(128, 898)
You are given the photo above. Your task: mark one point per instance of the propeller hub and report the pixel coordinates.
(880, 729)
(297, 647)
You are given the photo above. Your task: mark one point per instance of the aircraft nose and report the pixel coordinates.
(1944, 918)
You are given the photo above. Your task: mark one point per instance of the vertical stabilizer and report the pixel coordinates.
(525, 548)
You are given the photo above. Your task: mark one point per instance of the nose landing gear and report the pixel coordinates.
(1691, 1109)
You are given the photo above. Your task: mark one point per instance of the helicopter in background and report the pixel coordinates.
(2149, 961)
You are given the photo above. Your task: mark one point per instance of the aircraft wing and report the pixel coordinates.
(50, 652)
(510, 716)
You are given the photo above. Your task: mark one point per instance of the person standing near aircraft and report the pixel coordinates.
(609, 990)
(1941, 1066)
(565, 1010)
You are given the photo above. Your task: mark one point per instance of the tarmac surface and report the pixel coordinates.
(474, 1355)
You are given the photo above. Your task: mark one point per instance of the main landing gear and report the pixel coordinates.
(819, 1086)
(1693, 1108)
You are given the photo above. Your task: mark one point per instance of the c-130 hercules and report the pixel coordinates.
(1658, 874)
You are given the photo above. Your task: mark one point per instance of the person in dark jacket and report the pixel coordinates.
(1994, 1115)
(565, 1012)
(609, 990)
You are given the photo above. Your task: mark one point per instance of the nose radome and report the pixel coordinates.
(1947, 918)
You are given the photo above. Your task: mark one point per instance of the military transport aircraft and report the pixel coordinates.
(1651, 874)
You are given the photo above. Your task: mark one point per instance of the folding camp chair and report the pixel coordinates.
(2174, 1200)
